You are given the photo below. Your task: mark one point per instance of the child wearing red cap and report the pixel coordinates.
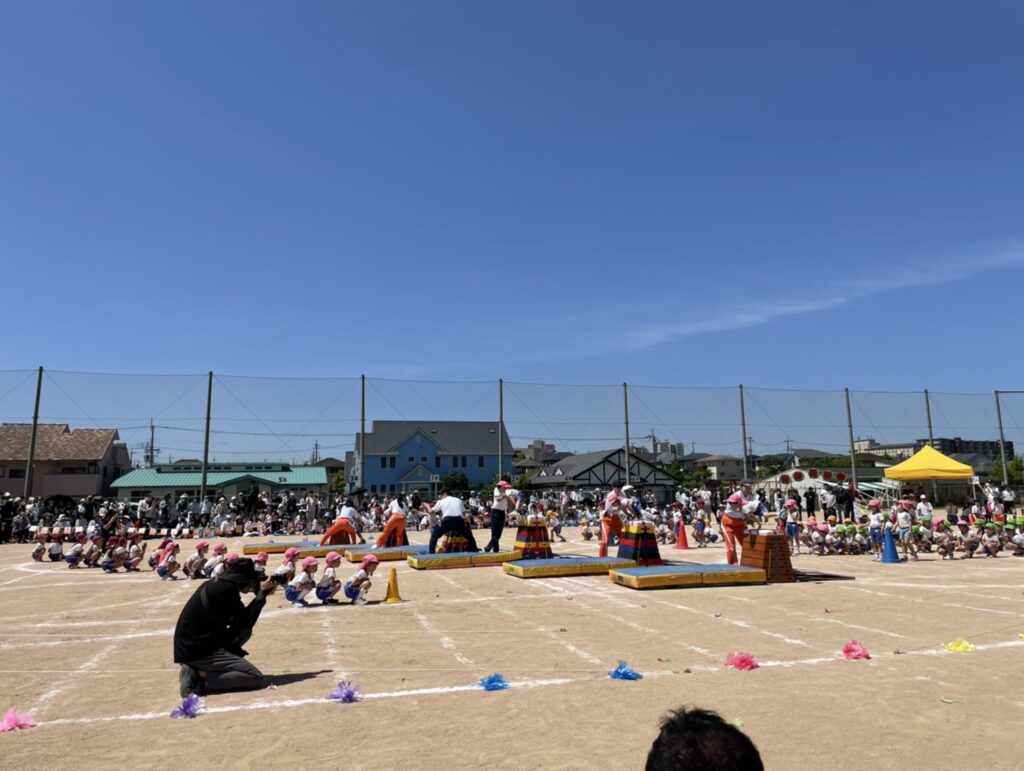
(329, 585)
(94, 552)
(168, 564)
(286, 571)
(56, 549)
(302, 584)
(359, 584)
(193, 567)
(136, 552)
(76, 552)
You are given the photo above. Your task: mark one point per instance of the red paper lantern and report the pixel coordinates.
(841, 476)
(798, 476)
(784, 479)
(827, 475)
(813, 473)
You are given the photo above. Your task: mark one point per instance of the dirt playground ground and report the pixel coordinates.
(89, 655)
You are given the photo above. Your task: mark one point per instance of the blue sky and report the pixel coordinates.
(807, 195)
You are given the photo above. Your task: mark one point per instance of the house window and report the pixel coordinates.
(391, 461)
(423, 459)
(412, 459)
(455, 461)
(383, 462)
(3, 472)
(480, 461)
(392, 489)
(373, 489)
(437, 461)
(16, 473)
(463, 461)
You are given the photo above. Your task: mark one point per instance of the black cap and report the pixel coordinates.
(242, 573)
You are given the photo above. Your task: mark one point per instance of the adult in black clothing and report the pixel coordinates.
(811, 499)
(213, 627)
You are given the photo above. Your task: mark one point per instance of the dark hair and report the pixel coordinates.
(701, 739)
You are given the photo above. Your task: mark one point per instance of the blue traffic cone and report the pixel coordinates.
(889, 554)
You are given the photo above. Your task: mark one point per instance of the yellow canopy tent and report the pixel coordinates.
(929, 463)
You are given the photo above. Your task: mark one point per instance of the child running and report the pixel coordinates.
(359, 584)
(329, 585)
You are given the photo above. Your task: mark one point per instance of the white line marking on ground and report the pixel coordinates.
(446, 642)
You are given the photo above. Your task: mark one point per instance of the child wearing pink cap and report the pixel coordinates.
(259, 563)
(220, 552)
(359, 584)
(791, 513)
(286, 571)
(154, 558)
(329, 585)
(40, 548)
(193, 567)
(302, 584)
(218, 571)
(136, 552)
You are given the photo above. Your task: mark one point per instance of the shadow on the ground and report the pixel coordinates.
(294, 677)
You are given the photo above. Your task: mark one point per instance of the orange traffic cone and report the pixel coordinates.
(681, 542)
(393, 595)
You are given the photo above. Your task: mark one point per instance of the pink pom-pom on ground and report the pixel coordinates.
(745, 661)
(854, 650)
(15, 721)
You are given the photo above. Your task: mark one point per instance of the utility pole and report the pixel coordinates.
(931, 440)
(30, 464)
(152, 443)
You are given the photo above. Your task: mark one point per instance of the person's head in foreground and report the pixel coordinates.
(701, 740)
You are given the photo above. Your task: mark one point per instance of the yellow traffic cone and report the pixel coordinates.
(393, 595)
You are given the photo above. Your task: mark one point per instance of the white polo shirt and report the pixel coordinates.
(449, 506)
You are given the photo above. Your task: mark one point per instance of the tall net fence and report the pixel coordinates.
(162, 418)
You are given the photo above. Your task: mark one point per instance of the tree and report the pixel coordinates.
(455, 482)
(338, 483)
(1015, 471)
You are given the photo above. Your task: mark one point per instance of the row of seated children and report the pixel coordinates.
(200, 565)
(299, 581)
(110, 555)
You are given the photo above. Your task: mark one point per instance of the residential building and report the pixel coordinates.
(407, 455)
(74, 462)
(721, 467)
(227, 479)
(602, 470)
(957, 446)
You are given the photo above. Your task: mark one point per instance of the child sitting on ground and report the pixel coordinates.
(286, 571)
(40, 548)
(56, 550)
(154, 558)
(218, 571)
(220, 551)
(329, 585)
(193, 567)
(359, 584)
(76, 552)
(302, 584)
(94, 552)
(259, 563)
(168, 563)
(136, 552)
(586, 532)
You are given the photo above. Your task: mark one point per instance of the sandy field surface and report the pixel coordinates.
(89, 655)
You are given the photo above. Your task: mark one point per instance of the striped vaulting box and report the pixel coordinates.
(532, 540)
(770, 553)
(453, 543)
(639, 543)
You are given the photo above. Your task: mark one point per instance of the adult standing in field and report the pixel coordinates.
(453, 522)
(499, 510)
(212, 628)
(811, 501)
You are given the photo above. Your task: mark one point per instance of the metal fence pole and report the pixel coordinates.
(743, 433)
(853, 452)
(362, 430)
(501, 427)
(30, 462)
(625, 410)
(931, 440)
(206, 438)
(1002, 441)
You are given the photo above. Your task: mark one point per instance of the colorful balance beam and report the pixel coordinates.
(565, 566)
(466, 559)
(661, 576)
(279, 547)
(385, 554)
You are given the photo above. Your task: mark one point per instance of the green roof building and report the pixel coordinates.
(227, 479)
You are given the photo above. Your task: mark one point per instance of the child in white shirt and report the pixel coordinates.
(329, 585)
